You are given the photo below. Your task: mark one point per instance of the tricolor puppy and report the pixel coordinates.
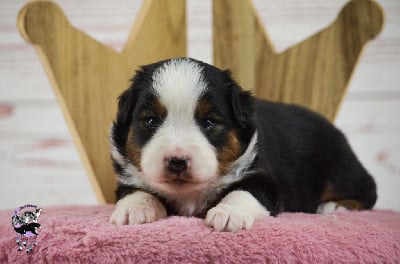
(187, 140)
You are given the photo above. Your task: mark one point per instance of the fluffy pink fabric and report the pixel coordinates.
(78, 234)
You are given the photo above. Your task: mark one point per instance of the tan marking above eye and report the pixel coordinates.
(155, 109)
(214, 117)
(147, 114)
(159, 108)
(204, 111)
(203, 108)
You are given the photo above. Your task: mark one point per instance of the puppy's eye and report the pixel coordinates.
(208, 124)
(149, 122)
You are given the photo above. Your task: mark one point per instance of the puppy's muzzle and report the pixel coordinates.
(177, 166)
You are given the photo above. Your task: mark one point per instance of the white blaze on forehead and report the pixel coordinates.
(179, 84)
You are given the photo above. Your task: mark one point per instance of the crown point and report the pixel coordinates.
(40, 20)
(365, 16)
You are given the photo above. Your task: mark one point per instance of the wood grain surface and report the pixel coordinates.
(314, 72)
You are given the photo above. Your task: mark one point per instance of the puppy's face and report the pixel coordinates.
(180, 127)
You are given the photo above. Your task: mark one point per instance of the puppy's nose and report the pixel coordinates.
(177, 165)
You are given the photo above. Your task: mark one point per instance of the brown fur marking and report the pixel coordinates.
(227, 154)
(329, 195)
(133, 151)
(203, 108)
(156, 109)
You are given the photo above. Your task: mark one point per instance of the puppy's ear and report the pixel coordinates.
(120, 128)
(241, 102)
(126, 104)
(128, 99)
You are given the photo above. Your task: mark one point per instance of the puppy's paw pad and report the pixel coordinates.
(224, 217)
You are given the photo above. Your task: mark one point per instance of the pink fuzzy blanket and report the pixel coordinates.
(77, 234)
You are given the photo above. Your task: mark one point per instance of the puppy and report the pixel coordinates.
(187, 140)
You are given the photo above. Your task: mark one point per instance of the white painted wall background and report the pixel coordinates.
(39, 162)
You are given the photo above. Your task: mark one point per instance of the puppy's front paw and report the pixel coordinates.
(225, 217)
(138, 208)
(237, 210)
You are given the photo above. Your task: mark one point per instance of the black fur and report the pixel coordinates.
(305, 153)
(300, 154)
